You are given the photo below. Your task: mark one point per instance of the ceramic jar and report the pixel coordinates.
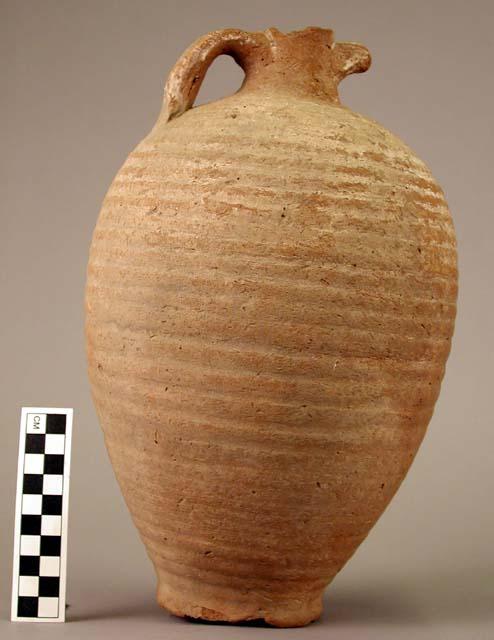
(270, 303)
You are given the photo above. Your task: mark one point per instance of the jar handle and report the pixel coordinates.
(186, 76)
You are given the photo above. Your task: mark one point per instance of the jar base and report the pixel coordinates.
(211, 603)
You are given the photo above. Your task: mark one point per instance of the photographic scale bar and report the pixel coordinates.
(41, 515)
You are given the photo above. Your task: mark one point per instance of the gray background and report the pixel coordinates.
(81, 85)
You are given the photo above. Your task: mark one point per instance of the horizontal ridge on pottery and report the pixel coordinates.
(270, 303)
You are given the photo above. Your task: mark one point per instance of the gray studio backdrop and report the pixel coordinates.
(81, 85)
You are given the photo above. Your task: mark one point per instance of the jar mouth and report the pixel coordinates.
(300, 32)
(317, 34)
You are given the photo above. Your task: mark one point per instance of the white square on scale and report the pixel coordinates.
(34, 463)
(49, 566)
(30, 545)
(52, 485)
(28, 586)
(55, 443)
(51, 525)
(48, 608)
(32, 504)
(36, 423)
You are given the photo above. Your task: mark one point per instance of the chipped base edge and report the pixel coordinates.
(198, 604)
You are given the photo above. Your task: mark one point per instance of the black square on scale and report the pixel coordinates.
(33, 483)
(52, 506)
(50, 545)
(49, 587)
(29, 565)
(30, 525)
(53, 464)
(27, 607)
(55, 423)
(35, 443)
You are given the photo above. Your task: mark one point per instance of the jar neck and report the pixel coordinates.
(304, 64)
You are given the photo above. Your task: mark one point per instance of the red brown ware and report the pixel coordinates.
(270, 304)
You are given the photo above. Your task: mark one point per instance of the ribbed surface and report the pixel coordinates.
(270, 302)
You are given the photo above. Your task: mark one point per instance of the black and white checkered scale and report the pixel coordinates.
(41, 521)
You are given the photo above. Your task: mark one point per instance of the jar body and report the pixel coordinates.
(270, 303)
